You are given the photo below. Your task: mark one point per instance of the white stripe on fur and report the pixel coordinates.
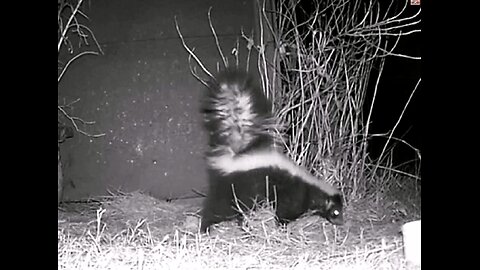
(228, 164)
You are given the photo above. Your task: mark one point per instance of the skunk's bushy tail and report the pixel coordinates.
(237, 114)
(241, 158)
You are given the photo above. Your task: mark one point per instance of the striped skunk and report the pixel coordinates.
(241, 156)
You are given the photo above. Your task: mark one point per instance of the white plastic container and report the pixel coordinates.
(412, 241)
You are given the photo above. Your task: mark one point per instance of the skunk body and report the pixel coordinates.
(243, 163)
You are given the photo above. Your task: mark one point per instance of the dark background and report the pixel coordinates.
(142, 95)
(399, 78)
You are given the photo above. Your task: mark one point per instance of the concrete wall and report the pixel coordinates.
(142, 95)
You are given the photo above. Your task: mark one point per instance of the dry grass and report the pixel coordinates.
(135, 231)
(318, 88)
(316, 67)
(316, 63)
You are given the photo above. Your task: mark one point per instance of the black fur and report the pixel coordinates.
(293, 196)
(227, 136)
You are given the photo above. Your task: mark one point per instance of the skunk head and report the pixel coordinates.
(330, 207)
(335, 209)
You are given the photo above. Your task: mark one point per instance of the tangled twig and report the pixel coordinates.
(69, 26)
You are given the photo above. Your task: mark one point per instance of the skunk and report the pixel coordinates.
(244, 165)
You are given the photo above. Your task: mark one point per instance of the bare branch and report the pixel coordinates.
(398, 122)
(74, 12)
(73, 28)
(194, 72)
(225, 60)
(73, 119)
(190, 51)
(64, 69)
